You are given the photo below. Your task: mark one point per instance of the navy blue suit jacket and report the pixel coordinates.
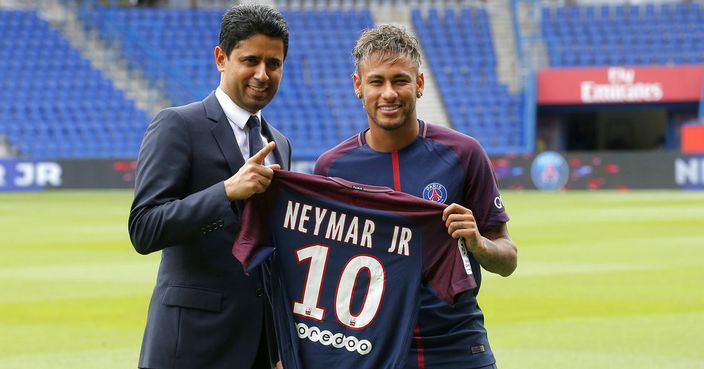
(204, 312)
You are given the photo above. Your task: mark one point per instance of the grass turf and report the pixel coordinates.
(605, 280)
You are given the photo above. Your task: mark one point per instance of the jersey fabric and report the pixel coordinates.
(346, 262)
(448, 167)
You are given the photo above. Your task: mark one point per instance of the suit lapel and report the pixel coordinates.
(223, 133)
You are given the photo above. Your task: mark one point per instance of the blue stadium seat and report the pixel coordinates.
(634, 34)
(313, 96)
(60, 105)
(459, 47)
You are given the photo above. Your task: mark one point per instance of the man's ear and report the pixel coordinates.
(357, 82)
(420, 83)
(220, 58)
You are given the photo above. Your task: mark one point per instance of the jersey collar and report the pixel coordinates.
(422, 132)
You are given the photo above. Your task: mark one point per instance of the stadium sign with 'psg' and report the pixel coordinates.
(620, 85)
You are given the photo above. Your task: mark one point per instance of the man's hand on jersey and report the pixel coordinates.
(460, 222)
(253, 177)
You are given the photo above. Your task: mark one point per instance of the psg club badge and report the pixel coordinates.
(435, 192)
(549, 171)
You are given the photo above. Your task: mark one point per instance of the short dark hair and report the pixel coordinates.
(246, 20)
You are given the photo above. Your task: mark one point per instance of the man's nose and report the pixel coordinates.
(388, 91)
(260, 73)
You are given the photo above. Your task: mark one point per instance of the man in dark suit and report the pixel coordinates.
(197, 164)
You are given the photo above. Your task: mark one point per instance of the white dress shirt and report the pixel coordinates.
(238, 118)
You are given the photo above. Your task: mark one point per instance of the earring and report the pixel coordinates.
(419, 94)
(359, 95)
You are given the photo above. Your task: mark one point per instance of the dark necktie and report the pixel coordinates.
(255, 135)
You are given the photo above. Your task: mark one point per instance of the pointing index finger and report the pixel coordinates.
(266, 150)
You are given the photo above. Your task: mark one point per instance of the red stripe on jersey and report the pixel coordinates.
(419, 346)
(397, 171)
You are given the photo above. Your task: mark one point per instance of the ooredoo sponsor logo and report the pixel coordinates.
(336, 340)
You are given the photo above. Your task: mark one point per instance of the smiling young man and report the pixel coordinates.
(436, 163)
(196, 165)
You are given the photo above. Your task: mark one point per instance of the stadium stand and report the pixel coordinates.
(460, 51)
(61, 107)
(315, 106)
(631, 34)
(171, 46)
(53, 104)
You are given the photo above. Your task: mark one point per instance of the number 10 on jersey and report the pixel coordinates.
(317, 255)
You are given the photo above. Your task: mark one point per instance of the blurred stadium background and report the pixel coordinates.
(565, 95)
(613, 87)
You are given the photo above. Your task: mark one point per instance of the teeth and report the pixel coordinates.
(260, 89)
(388, 108)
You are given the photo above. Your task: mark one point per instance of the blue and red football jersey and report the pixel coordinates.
(445, 166)
(345, 263)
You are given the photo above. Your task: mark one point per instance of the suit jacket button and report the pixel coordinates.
(259, 292)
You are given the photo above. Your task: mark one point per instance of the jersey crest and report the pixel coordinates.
(435, 192)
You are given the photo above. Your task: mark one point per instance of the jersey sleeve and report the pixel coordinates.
(482, 191)
(444, 269)
(253, 243)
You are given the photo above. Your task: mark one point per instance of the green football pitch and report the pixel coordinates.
(605, 280)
